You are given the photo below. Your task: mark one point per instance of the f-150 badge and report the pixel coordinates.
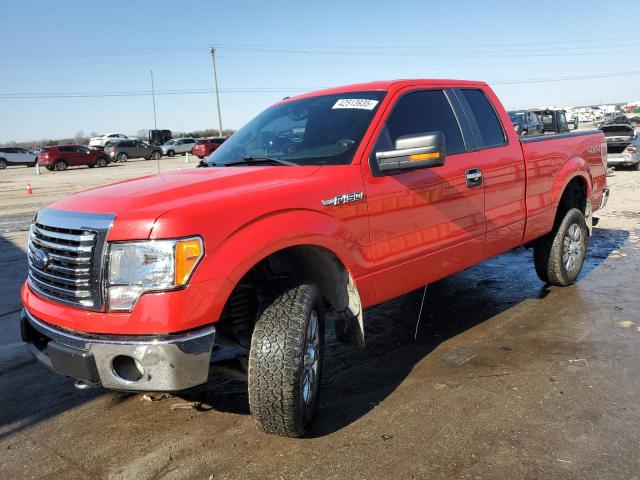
(344, 198)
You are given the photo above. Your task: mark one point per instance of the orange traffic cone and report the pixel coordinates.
(29, 189)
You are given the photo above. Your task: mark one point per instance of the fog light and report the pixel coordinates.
(127, 368)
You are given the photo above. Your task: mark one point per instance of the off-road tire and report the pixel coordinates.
(548, 251)
(276, 362)
(60, 165)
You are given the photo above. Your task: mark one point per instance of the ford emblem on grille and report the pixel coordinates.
(39, 258)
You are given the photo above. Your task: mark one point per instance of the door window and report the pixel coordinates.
(486, 125)
(422, 112)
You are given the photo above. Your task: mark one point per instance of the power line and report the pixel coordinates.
(208, 91)
(186, 47)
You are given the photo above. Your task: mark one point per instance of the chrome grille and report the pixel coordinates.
(65, 257)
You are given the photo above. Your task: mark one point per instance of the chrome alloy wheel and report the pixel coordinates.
(311, 359)
(572, 247)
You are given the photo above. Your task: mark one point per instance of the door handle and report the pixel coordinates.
(474, 177)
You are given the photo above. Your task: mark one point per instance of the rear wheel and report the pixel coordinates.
(122, 157)
(156, 155)
(559, 256)
(3, 164)
(60, 165)
(636, 166)
(285, 361)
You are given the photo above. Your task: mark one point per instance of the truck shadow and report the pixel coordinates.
(356, 381)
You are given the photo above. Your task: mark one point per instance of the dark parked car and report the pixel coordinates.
(126, 149)
(159, 137)
(615, 119)
(204, 146)
(553, 121)
(59, 157)
(526, 122)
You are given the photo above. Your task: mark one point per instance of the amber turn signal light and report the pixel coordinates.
(188, 254)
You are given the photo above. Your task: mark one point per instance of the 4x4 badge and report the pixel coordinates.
(344, 198)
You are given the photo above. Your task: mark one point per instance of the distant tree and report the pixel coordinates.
(142, 134)
(80, 138)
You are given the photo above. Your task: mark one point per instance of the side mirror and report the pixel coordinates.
(421, 150)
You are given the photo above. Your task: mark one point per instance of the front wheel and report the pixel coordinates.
(285, 362)
(122, 157)
(102, 162)
(3, 164)
(559, 256)
(171, 153)
(156, 155)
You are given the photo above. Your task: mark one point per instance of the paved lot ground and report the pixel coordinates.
(507, 379)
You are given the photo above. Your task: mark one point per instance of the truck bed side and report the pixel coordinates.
(551, 163)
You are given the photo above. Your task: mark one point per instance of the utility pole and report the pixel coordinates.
(215, 82)
(153, 97)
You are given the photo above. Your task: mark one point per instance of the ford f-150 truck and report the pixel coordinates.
(328, 202)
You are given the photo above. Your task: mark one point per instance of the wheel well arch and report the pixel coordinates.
(298, 263)
(574, 195)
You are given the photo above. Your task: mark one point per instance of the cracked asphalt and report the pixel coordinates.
(507, 378)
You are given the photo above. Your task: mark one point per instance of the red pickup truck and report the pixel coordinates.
(331, 201)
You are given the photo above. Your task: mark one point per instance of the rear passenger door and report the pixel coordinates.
(425, 223)
(503, 170)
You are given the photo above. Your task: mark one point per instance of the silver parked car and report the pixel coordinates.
(17, 156)
(623, 146)
(178, 145)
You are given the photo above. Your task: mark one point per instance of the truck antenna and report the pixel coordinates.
(424, 294)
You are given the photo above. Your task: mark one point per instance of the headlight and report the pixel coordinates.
(156, 265)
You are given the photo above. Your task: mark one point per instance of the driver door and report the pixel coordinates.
(425, 223)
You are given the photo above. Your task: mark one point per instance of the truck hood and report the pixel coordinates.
(137, 203)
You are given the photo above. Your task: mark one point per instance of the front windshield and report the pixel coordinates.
(322, 130)
(516, 117)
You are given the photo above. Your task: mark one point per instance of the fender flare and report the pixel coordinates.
(285, 229)
(573, 168)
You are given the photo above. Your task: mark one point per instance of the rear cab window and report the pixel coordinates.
(485, 125)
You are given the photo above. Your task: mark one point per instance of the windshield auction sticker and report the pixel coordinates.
(361, 103)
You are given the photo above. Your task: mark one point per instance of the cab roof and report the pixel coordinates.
(389, 85)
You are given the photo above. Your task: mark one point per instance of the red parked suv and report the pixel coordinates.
(59, 157)
(205, 146)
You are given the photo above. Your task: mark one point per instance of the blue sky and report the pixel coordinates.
(275, 49)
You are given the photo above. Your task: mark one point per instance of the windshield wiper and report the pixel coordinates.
(252, 160)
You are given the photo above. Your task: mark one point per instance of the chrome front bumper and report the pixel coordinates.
(137, 363)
